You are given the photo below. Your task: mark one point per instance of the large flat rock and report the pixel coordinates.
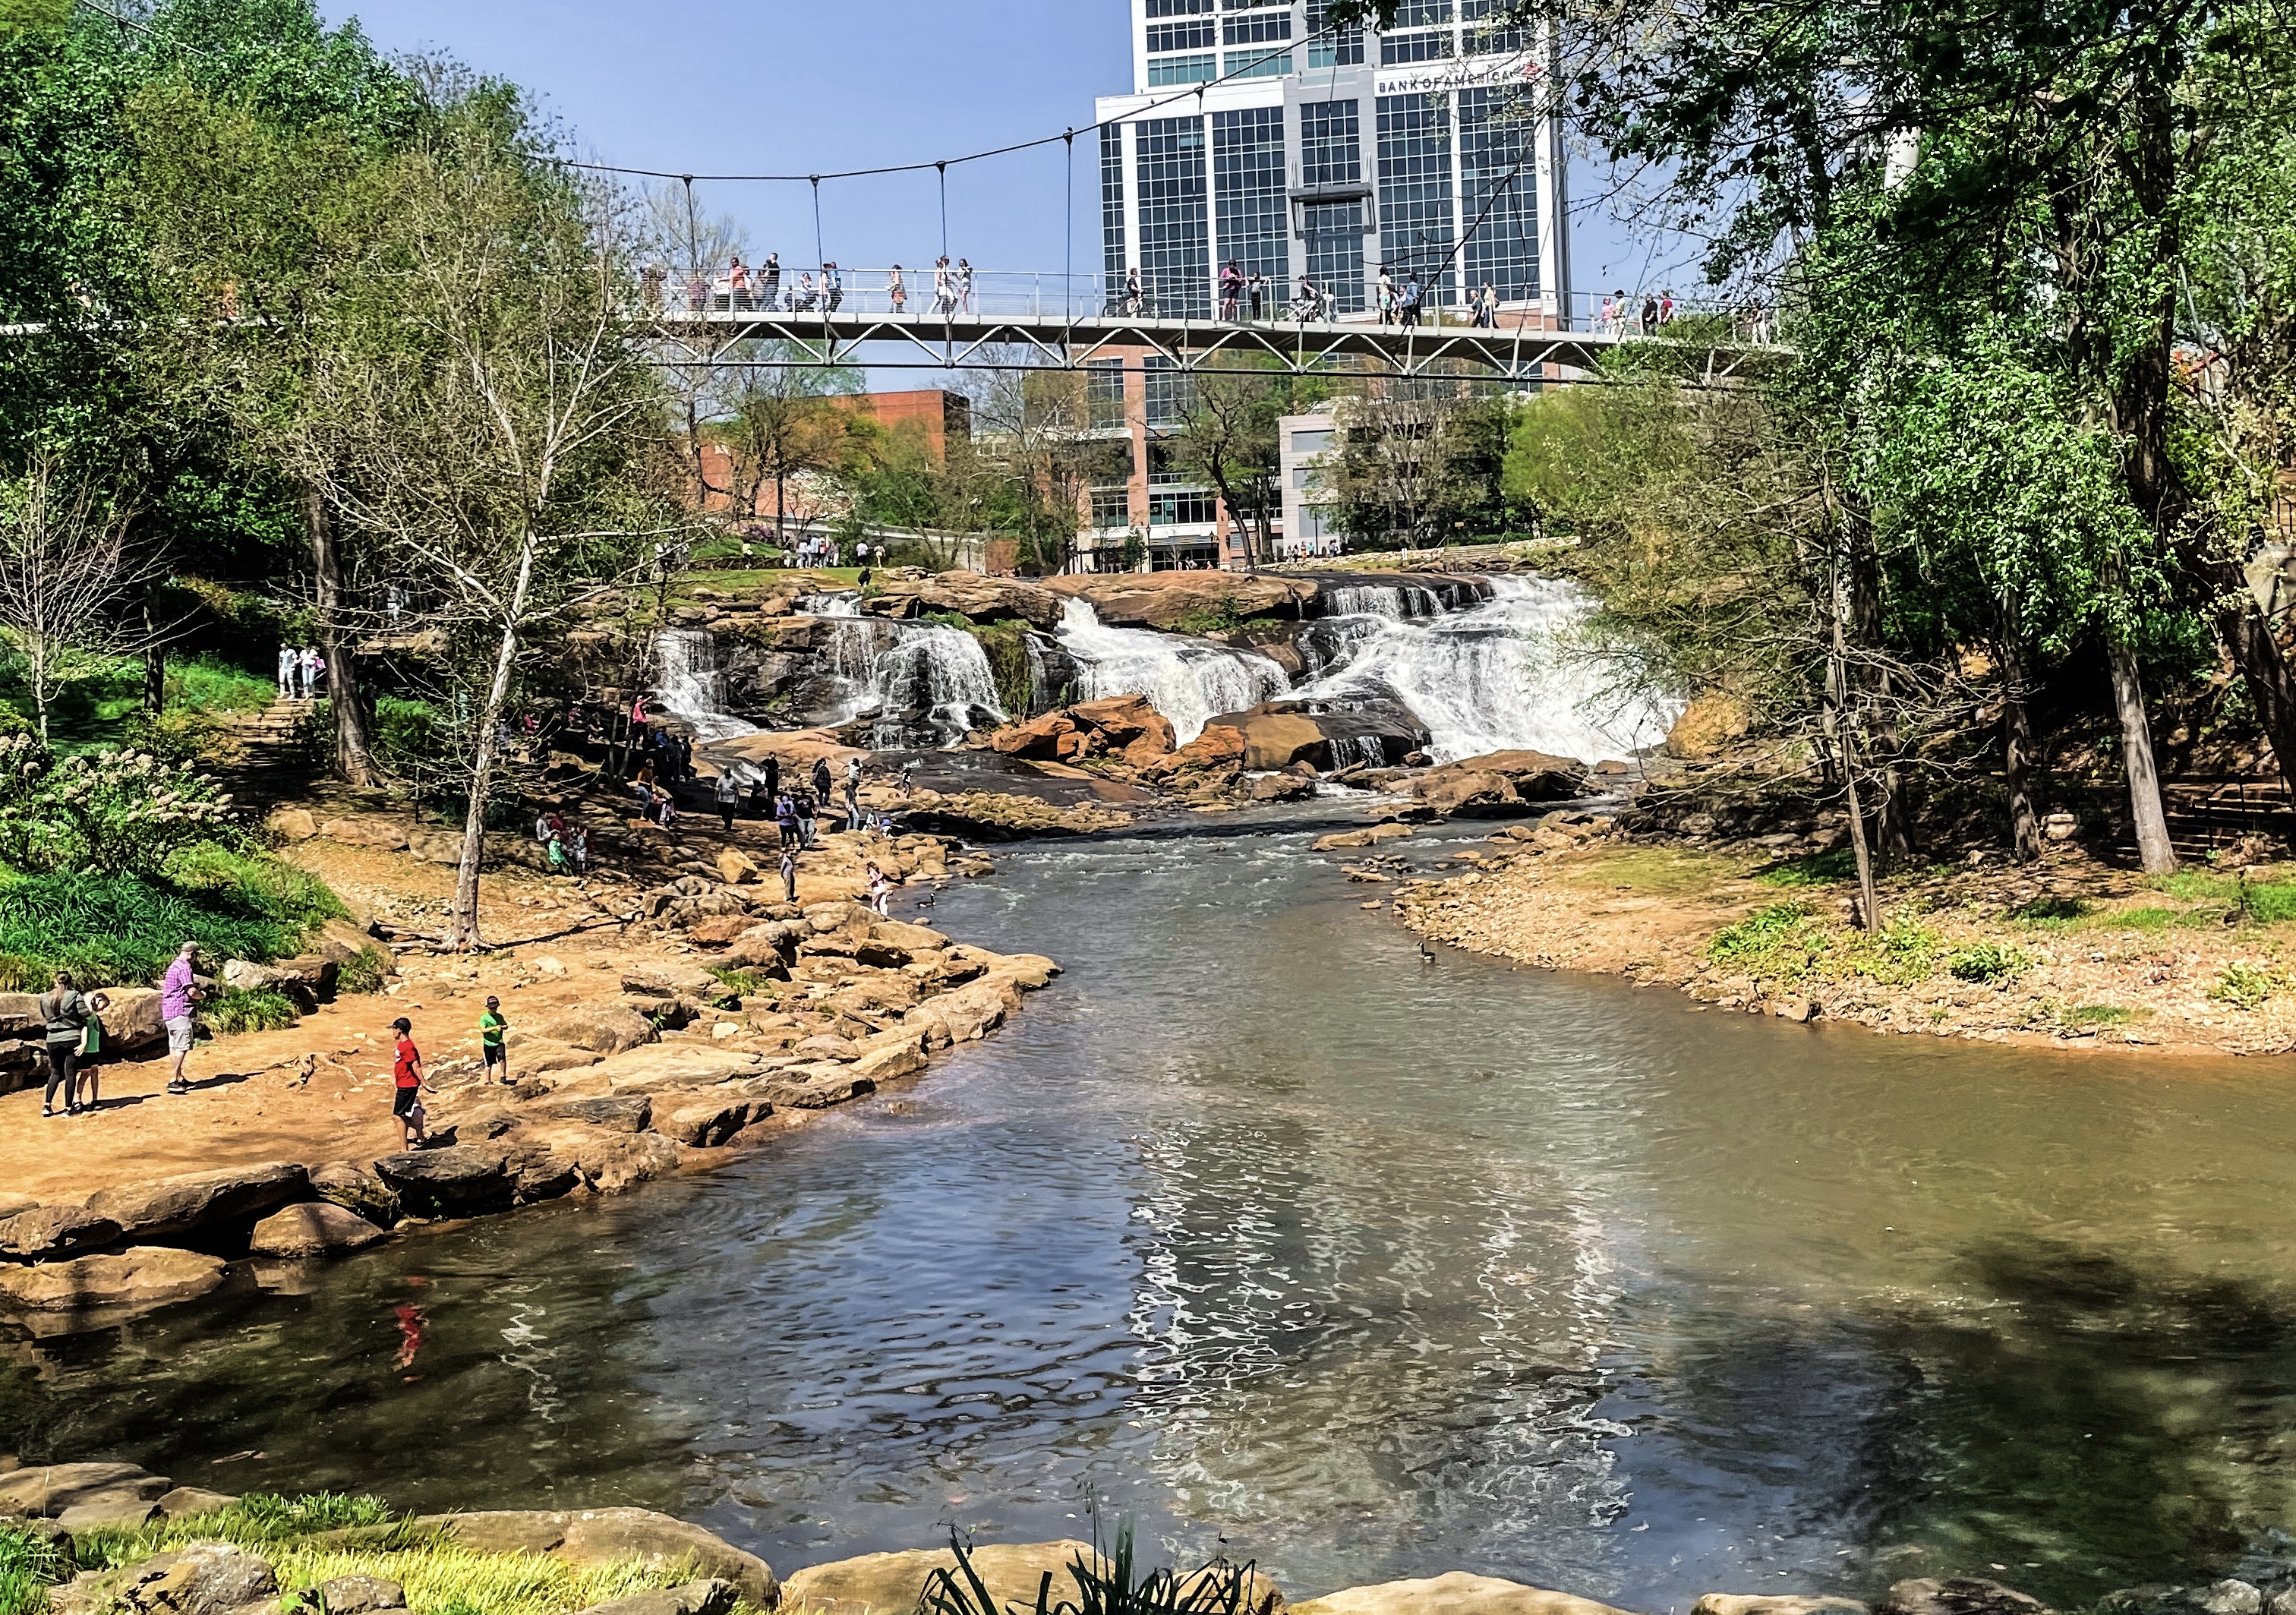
(597, 1535)
(316, 1227)
(47, 1490)
(45, 1233)
(169, 1208)
(144, 1277)
(887, 1584)
(1455, 1593)
(461, 1180)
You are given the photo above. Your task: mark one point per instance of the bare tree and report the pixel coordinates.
(67, 576)
(499, 420)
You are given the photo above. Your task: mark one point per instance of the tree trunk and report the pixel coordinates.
(2017, 752)
(1837, 689)
(464, 934)
(155, 666)
(2246, 633)
(2152, 847)
(353, 751)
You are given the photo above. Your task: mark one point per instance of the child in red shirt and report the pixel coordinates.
(406, 1072)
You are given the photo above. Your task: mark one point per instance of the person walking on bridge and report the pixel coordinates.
(1386, 297)
(965, 285)
(1230, 287)
(833, 287)
(1257, 287)
(944, 301)
(896, 291)
(1132, 291)
(771, 274)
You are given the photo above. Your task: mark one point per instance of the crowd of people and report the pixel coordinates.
(1621, 315)
(761, 288)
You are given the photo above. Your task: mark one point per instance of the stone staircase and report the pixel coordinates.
(264, 760)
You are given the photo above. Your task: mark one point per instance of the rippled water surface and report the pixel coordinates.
(1265, 1231)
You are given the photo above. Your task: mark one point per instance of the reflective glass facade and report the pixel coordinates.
(1415, 221)
(1176, 257)
(1112, 262)
(1248, 191)
(1498, 184)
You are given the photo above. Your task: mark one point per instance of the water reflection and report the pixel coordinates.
(1268, 1234)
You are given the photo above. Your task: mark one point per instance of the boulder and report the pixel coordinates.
(292, 824)
(46, 1233)
(108, 1514)
(172, 1207)
(435, 846)
(539, 1172)
(364, 830)
(2217, 1598)
(1767, 1603)
(1708, 725)
(185, 1501)
(1370, 837)
(1957, 1595)
(666, 978)
(900, 933)
(142, 1277)
(711, 1597)
(617, 1113)
(609, 1030)
(45, 1491)
(1499, 783)
(462, 1181)
(668, 1065)
(355, 1187)
(603, 1535)
(206, 1578)
(1456, 1593)
(738, 868)
(704, 1123)
(132, 1022)
(316, 1228)
(20, 1016)
(888, 1584)
(360, 1595)
(882, 1065)
(614, 1162)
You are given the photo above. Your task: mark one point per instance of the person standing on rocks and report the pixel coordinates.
(808, 807)
(821, 778)
(853, 795)
(407, 1085)
(785, 818)
(491, 1028)
(881, 891)
(66, 1014)
(179, 989)
(91, 1053)
(772, 778)
(789, 873)
(727, 791)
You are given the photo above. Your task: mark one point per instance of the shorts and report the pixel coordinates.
(404, 1101)
(496, 1055)
(179, 1035)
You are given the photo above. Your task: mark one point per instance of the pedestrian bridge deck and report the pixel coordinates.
(932, 339)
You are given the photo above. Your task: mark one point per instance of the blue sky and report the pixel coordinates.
(781, 86)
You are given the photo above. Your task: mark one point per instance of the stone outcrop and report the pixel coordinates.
(1166, 599)
(463, 1181)
(1771, 1604)
(1456, 1593)
(609, 1030)
(1124, 727)
(1957, 1595)
(709, 1597)
(885, 1584)
(44, 1234)
(357, 1187)
(45, 1491)
(143, 1277)
(206, 1578)
(599, 1535)
(174, 1207)
(314, 1228)
(1500, 784)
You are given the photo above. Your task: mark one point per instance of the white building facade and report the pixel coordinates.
(1429, 150)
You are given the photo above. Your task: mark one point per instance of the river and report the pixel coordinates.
(1255, 1230)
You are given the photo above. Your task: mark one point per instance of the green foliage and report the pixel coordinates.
(110, 812)
(236, 1010)
(1812, 869)
(1783, 940)
(115, 930)
(1216, 616)
(365, 972)
(30, 1566)
(741, 983)
(1988, 962)
(211, 684)
(2099, 1014)
(2244, 986)
(1109, 1584)
(1007, 652)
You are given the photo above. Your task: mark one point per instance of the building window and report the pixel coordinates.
(1172, 394)
(1178, 8)
(1395, 48)
(1343, 47)
(1330, 144)
(1255, 64)
(1415, 227)
(1248, 193)
(1181, 70)
(1188, 507)
(1113, 263)
(1421, 13)
(1334, 236)
(1257, 28)
(1175, 267)
(1498, 184)
(1313, 441)
(1314, 523)
(1491, 39)
(1111, 507)
(1182, 36)
(1103, 392)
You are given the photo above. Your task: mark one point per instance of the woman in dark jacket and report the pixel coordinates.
(66, 1014)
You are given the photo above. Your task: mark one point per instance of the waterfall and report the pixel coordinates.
(1489, 678)
(923, 683)
(692, 687)
(1189, 681)
(1396, 600)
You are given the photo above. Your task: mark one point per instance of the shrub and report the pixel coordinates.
(1106, 1584)
(236, 1010)
(1987, 962)
(1814, 869)
(110, 930)
(365, 972)
(29, 1566)
(111, 811)
(2099, 1014)
(1205, 620)
(211, 684)
(2267, 903)
(2244, 987)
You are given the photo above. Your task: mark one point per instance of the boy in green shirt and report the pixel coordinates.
(491, 1027)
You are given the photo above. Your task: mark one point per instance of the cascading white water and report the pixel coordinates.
(918, 679)
(1398, 599)
(1189, 681)
(692, 687)
(1493, 678)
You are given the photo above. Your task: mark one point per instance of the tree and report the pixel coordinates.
(1230, 440)
(67, 576)
(499, 432)
(783, 425)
